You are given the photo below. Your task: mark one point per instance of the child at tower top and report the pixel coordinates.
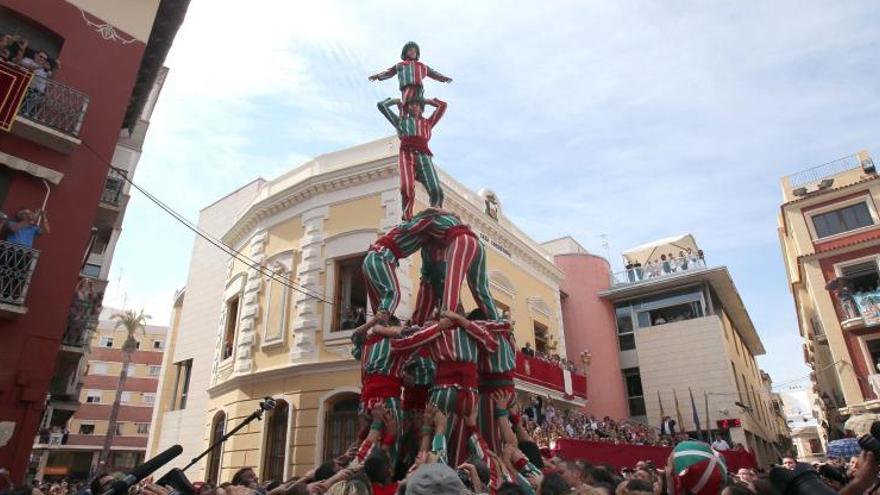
(410, 73)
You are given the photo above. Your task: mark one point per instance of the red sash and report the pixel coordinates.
(415, 143)
(380, 387)
(459, 373)
(415, 397)
(495, 381)
(389, 243)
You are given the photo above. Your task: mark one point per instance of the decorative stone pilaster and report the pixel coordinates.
(308, 273)
(393, 208)
(250, 307)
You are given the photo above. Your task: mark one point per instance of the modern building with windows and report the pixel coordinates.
(72, 451)
(682, 329)
(276, 319)
(55, 155)
(829, 230)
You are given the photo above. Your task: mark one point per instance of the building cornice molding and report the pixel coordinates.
(238, 381)
(520, 246)
(308, 188)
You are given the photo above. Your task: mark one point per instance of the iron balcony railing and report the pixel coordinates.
(55, 105)
(17, 265)
(816, 174)
(81, 321)
(657, 270)
(112, 191)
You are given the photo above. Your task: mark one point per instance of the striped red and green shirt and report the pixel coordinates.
(451, 344)
(376, 356)
(410, 73)
(504, 357)
(421, 367)
(412, 125)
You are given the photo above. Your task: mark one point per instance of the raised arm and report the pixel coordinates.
(433, 74)
(438, 113)
(388, 331)
(486, 340)
(385, 109)
(388, 73)
(416, 340)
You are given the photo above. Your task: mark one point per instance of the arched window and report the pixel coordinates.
(275, 452)
(340, 425)
(218, 429)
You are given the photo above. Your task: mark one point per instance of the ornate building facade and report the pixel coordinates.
(278, 317)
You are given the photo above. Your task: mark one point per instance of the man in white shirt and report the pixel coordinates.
(720, 445)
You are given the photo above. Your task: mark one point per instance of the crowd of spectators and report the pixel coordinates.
(549, 357)
(555, 476)
(15, 49)
(665, 265)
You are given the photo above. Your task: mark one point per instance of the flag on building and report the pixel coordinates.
(14, 82)
(696, 414)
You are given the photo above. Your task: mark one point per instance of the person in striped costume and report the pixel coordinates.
(380, 262)
(380, 371)
(414, 159)
(454, 343)
(432, 272)
(410, 73)
(495, 374)
(463, 256)
(418, 376)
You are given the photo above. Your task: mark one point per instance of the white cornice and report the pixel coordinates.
(458, 198)
(306, 189)
(285, 371)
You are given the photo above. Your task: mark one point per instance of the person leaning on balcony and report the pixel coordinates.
(42, 69)
(28, 225)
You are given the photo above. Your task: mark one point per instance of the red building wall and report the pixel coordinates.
(590, 324)
(851, 336)
(106, 71)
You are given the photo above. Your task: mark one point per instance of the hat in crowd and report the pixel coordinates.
(697, 468)
(434, 479)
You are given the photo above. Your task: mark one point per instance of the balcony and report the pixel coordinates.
(112, 195)
(657, 270)
(550, 375)
(856, 309)
(52, 118)
(17, 264)
(840, 172)
(81, 322)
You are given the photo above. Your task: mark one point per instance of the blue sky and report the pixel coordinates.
(634, 120)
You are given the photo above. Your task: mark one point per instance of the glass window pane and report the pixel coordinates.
(627, 342)
(637, 406)
(842, 220)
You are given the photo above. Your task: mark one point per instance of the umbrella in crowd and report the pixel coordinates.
(845, 447)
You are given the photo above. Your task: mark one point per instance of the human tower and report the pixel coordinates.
(445, 377)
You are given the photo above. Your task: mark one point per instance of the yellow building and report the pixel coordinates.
(829, 230)
(239, 334)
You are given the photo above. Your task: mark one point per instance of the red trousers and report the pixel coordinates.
(415, 166)
(465, 257)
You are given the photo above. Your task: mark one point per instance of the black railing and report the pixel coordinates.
(55, 105)
(17, 264)
(112, 191)
(81, 321)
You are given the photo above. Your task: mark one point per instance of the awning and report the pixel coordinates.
(31, 168)
(652, 250)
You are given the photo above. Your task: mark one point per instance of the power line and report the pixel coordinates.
(208, 237)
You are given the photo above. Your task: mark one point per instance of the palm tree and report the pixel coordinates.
(133, 323)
